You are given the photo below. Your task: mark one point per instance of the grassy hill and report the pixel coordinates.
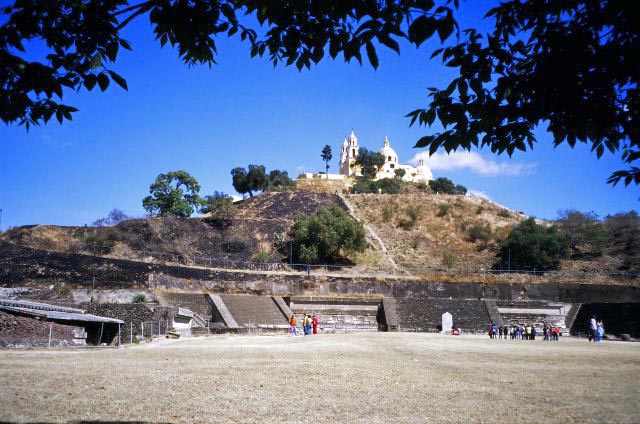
(420, 231)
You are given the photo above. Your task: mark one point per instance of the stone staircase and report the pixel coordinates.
(255, 311)
(389, 312)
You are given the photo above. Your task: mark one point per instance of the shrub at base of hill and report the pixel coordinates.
(530, 246)
(326, 236)
(384, 186)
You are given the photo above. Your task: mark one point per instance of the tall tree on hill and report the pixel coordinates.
(571, 63)
(280, 181)
(326, 157)
(255, 179)
(369, 161)
(173, 194)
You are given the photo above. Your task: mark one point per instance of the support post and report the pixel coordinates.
(101, 330)
(50, 330)
(118, 335)
(131, 339)
(142, 330)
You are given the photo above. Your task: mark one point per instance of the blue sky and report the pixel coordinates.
(242, 111)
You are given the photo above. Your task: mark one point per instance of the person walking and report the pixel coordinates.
(314, 323)
(293, 321)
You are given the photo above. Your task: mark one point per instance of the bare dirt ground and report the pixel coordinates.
(349, 378)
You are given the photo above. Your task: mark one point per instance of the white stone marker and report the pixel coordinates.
(447, 322)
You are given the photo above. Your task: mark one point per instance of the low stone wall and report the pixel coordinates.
(20, 331)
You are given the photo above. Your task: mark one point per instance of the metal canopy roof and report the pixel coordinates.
(52, 312)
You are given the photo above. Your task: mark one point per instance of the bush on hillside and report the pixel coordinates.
(220, 209)
(587, 235)
(139, 298)
(481, 233)
(444, 185)
(412, 214)
(280, 181)
(326, 236)
(102, 241)
(443, 209)
(531, 246)
(385, 186)
(624, 229)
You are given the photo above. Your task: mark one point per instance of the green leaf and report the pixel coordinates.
(96, 61)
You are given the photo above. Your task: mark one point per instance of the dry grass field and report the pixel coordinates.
(349, 378)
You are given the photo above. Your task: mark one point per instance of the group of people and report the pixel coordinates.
(596, 329)
(522, 332)
(309, 324)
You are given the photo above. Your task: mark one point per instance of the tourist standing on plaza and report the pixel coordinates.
(599, 330)
(314, 323)
(555, 332)
(292, 325)
(527, 332)
(307, 325)
(533, 332)
(592, 328)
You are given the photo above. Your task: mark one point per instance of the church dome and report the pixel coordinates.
(424, 171)
(387, 151)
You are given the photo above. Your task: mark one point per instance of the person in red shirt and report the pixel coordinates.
(314, 323)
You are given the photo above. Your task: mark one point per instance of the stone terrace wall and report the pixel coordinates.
(426, 314)
(19, 331)
(301, 285)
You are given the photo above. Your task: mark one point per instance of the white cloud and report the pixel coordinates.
(472, 161)
(478, 193)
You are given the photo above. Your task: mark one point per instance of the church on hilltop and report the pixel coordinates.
(349, 168)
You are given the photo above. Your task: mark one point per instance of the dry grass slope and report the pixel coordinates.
(433, 231)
